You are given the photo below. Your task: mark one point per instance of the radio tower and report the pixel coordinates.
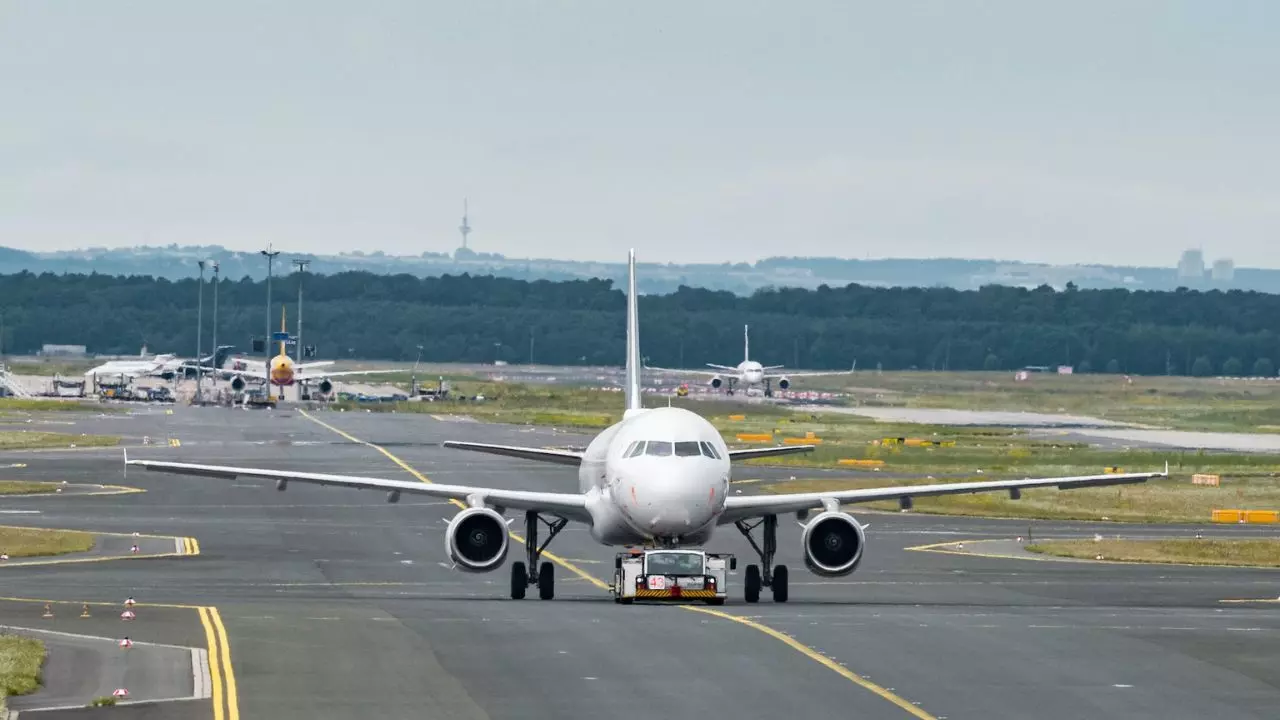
(465, 227)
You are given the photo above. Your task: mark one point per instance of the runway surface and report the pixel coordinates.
(336, 603)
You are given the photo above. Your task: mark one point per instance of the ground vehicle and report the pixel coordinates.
(662, 574)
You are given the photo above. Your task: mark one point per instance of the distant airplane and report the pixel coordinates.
(166, 366)
(660, 477)
(284, 371)
(749, 373)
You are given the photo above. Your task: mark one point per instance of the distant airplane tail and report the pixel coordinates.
(633, 338)
(283, 329)
(746, 344)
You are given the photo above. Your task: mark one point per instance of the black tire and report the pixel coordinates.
(780, 583)
(546, 581)
(715, 601)
(751, 584)
(519, 580)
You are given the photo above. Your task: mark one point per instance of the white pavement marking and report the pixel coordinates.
(200, 680)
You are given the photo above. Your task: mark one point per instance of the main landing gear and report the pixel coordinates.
(521, 579)
(775, 579)
(768, 387)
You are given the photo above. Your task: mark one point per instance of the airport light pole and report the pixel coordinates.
(266, 350)
(213, 361)
(302, 268)
(199, 327)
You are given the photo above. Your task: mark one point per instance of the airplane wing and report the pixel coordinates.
(820, 373)
(316, 364)
(707, 373)
(569, 505)
(572, 457)
(559, 457)
(752, 453)
(739, 507)
(341, 373)
(256, 374)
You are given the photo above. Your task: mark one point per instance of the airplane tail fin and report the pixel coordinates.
(633, 338)
(746, 343)
(282, 329)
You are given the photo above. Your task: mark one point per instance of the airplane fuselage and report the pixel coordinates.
(659, 476)
(750, 373)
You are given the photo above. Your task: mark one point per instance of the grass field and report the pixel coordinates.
(29, 405)
(1204, 551)
(22, 440)
(930, 453)
(20, 662)
(23, 487)
(34, 542)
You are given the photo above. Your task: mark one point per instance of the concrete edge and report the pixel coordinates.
(201, 681)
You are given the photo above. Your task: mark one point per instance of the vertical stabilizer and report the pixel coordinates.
(633, 337)
(282, 329)
(746, 344)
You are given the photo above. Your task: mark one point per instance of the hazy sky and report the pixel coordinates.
(1107, 131)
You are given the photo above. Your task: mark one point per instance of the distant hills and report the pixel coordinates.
(177, 262)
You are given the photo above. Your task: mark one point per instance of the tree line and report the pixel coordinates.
(483, 318)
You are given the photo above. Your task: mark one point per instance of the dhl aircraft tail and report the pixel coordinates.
(282, 329)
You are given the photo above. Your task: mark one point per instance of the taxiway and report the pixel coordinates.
(336, 603)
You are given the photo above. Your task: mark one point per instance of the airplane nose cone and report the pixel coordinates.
(670, 505)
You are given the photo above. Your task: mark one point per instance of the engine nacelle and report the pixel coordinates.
(237, 383)
(833, 543)
(325, 386)
(716, 382)
(476, 539)
(783, 383)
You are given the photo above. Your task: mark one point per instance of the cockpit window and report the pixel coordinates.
(658, 448)
(663, 448)
(688, 449)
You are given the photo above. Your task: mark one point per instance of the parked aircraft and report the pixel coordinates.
(660, 477)
(284, 371)
(748, 373)
(167, 366)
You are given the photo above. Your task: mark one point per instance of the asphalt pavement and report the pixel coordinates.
(336, 603)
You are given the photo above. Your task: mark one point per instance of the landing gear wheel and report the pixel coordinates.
(519, 580)
(780, 584)
(751, 584)
(546, 581)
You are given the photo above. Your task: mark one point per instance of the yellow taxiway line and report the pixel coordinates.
(787, 640)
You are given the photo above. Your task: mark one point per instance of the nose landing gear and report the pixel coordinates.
(545, 578)
(772, 576)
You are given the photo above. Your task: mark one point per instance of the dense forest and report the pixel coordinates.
(480, 319)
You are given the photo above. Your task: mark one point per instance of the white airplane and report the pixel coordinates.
(749, 373)
(165, 366)
(658, 477)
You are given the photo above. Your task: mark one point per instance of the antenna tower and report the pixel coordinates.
(465, 227)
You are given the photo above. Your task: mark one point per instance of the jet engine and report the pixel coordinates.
(325, 386)
(716, 382)
(237, 383)
(833, 543)
(476, 539)
(783, 383)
